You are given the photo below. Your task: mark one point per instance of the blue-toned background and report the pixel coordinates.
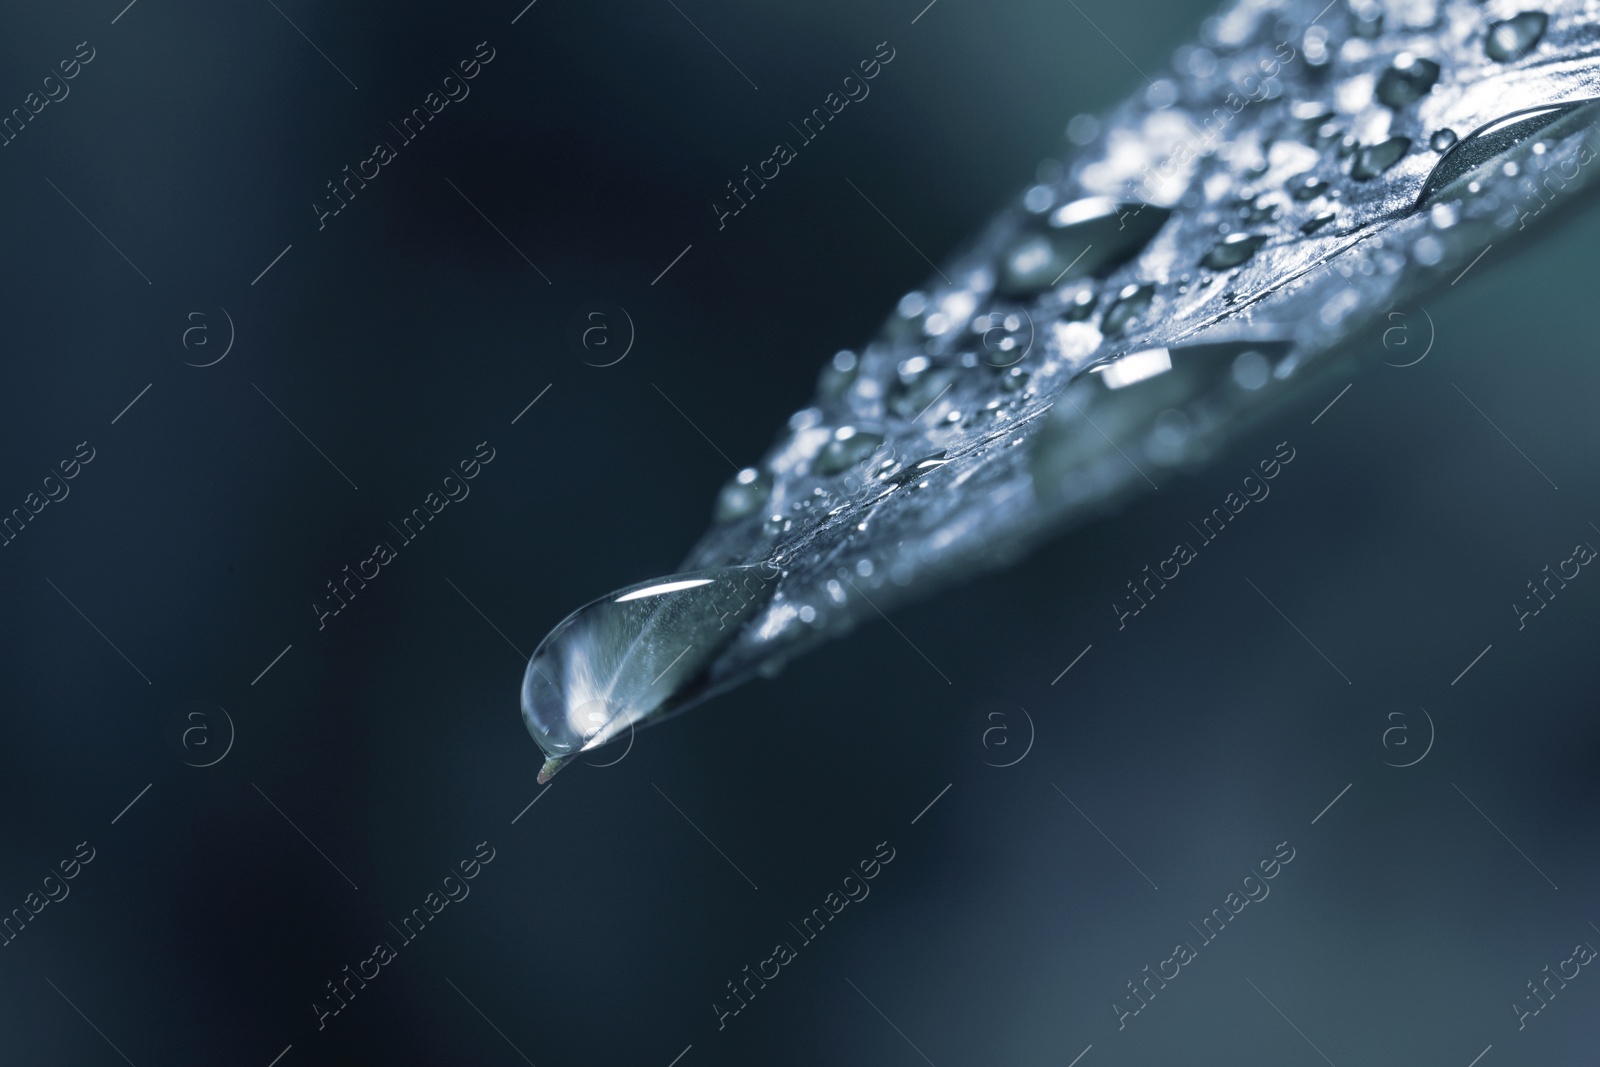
(381, 750)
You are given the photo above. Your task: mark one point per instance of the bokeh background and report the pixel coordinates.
(381, 750)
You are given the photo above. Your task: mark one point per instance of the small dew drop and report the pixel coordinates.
(1373, 160)
(1232, 251)
(1514, 38)
(1131, 302)
(1083, 129)
(845, 449)
(743, 496)
(1428, 250)
(1251, 370)
(1316, 222)
(1442, 140)
(1407, 81)
(1307, 187)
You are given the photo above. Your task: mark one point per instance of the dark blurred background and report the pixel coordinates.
(379, 751)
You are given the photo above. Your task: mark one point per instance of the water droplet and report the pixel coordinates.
(1232, 250)
(1310, 113)
(1460, 167)
(1079, 305)
(1428, 250)
(1314, 46)
(1251, 369)
(838, 373)
(1306, 187)
(1089, 236)
(912, 393)
(845, 449)
(1258, 210)
(1327, 134)
(1162, 93)
(1013, 379)
(1131, 302)
(1368, 17)
(1373, 159)
(1316, 222)
(744, 495)
(804, 419)
(1407, 81)
(1442, 140)
(1515, 37)
(1083, 129)
(632, 655)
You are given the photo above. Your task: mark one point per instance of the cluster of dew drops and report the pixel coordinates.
(938, 338)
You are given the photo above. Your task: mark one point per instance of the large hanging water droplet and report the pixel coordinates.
(1131, 302)
(1085, 237)
(1515, 37)
(1372, 160)
(1409, 80)
(743, 495)
(1487, 146)
(633, 655)
(1232, 250)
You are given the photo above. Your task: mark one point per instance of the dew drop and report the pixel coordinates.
(1407, 81)
(1088, 236)
(1083, 129)
(1428, 250)
(1442, 140)
(1310, 114)
(1316, 222)
(1131, 302)
(1372, 160)
(1515, 37)
(1079, 305)
(1259, 210)
(912, 393)
(845, 449)
(632, 655)
(838, 373)
(1306, 187)
(1368, 17)
(1251, 370)
(743, 496)
(1232, 250)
